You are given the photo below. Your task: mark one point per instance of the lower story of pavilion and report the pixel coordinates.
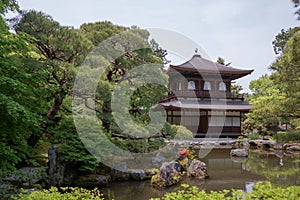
(205, 119)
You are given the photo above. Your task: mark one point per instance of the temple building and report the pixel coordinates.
(201, 98)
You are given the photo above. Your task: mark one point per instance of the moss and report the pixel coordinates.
(154, 171)
(41, 153)
(154, 180)
(183, 163)
(37, 186)
(175, 179)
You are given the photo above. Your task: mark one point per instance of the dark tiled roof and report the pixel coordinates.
(202, 65)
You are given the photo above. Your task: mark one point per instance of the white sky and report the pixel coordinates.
(240, 31)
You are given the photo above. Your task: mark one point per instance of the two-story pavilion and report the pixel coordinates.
(202, 100)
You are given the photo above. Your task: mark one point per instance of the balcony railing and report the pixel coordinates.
(206, 94)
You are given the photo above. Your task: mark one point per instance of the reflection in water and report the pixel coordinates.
(281, 168)
(249, 186)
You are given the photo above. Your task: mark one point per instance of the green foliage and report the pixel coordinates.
(276, 98)
(5, 6)
(221, 61)
(253, 136)
(286, 77)
(20, 92)
(181, 132)
(288, 136)
(261, 190)
(236, 89)
(239, 141)
(71, 147)
(100, 31)
(55, 42)
(174, 180)
(64, 193)
(267, 106)
(8, 5)
(265, 190)
(120, 74)
(281, 39)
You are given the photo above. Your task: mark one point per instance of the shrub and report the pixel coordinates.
(261, 190)
(66, 193)
(253, 136)
(182, 133)
(291, 135)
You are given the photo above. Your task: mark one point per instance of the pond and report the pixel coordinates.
(279, 167)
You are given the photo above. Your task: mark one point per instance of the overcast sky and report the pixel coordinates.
(240, 31)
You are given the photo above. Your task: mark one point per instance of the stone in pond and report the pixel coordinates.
(169, 174)
(239, 152)
(137, 174)
(197, 169)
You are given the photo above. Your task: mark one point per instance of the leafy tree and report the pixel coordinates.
(54, 53)
(100, 31)
(266, 99)
(276, 97)
(281, 39)
(286, 77)
(119, 72)
(159, 52)
(236, 89)
(5, 6)
(20, 92)
(63, 48)
(8, 5)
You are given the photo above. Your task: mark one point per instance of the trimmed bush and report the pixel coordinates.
(289, 136)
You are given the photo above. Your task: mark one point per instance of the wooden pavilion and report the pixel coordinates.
(201, 98)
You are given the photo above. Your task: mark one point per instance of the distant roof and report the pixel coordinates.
(198, 64)
(207, 105)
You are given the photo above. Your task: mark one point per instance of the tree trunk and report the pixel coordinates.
(33, 139)
(54, 108)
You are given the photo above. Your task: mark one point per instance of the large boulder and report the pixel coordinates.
(293, 148)
(239, 152)
(56, 167)
(121, 172)
(169, 174)
(158, 159)
(197, 169)
(137, 174)
(27, 176)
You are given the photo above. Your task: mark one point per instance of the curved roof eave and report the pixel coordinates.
(202, 65)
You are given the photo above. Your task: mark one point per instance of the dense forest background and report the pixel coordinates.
(39, 59)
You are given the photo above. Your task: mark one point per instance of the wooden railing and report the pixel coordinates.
(206, 94)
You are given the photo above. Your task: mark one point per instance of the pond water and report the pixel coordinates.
(279, 167)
